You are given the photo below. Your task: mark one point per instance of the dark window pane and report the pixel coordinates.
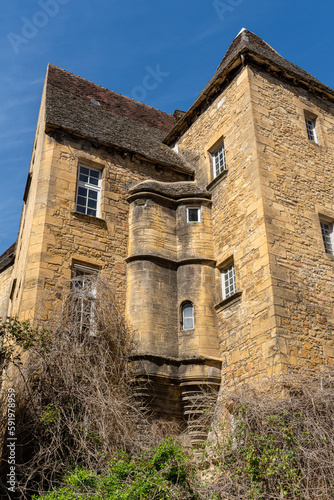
(193, 215)
(81, 201)
(90, 211)
(82, 191)
(92, 204)
(93, 181)
(92, 194)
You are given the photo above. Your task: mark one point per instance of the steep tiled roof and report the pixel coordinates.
(88, 110)
(109, 100)
(256, 50)
(246, 41)
(7, 258)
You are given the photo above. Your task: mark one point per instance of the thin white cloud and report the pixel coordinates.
(202, 36)
(13, 133)
(12, 144)
(19, 102)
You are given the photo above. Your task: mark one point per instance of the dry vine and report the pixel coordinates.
(75, 401)
(276, 443)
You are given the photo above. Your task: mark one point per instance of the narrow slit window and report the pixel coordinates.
(327, 232)
(27, 187)
(310, 127)
(89, 191)
(11, 295)
(187, 317)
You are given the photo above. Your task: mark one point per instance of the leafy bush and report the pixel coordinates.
(162, 473)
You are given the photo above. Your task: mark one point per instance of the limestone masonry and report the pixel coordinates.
(214, 226)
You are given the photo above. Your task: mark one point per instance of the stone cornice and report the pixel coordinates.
(170, 262)
(166, 200)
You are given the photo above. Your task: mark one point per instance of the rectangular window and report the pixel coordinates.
(310, 127)
(193, 215)
(218, 160)
(327, 235)
(84, 295)
(229, 286)
(89, 191)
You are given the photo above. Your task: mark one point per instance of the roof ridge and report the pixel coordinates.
(248, 44)
(248, 39)
(106, 88)
(245, 33)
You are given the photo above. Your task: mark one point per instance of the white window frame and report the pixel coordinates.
(311, 130)
(229, 286)
(84, 287)
(187, 319)
(218, 160)
(198, 209)
(90, 188)
(327, 232)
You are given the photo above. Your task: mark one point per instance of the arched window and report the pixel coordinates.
(187, 316)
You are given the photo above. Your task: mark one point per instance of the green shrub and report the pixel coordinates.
(162, 473)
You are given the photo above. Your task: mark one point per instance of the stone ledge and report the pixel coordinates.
(217, 180)
(159, 259)
(232, 299)
(169, 201)
(90, 219)
(180, 371)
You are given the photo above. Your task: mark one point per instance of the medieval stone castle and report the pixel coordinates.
(214, 225)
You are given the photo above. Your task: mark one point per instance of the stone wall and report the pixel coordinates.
(54, 235)
(298, 188)
(5, 288)
(263, 217)
(246, 324)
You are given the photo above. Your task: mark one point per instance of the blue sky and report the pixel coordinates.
(118, 43)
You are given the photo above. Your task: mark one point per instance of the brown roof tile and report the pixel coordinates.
(117, 121)
(8, 257)
(110, 100)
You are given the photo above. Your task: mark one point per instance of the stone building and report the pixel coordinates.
(214, 225)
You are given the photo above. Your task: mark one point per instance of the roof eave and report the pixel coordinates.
(52, 128)
(194, 111)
